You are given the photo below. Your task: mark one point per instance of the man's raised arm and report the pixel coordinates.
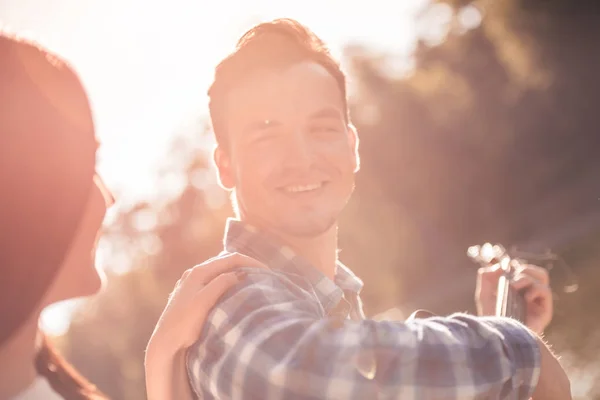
(268, 339)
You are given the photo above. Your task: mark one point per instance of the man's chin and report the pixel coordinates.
(308, 229)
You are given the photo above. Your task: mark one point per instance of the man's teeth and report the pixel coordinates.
(304, 188)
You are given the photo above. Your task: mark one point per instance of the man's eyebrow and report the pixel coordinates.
(326, 112)
(264, 124)
(261, 125)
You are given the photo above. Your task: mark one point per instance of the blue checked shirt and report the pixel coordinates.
(292, 333)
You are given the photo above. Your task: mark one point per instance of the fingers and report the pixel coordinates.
(207, 297)
(538, 294)
(210, 269)
(487, 280)
(530, 276)
(530, 273)
(538, 298)
(538, 273)
(531, 280)
(485, 291)
(489, 275)
(534, 290)
(185, 274)
(183, 327)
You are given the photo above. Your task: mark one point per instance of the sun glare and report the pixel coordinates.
(147, 65)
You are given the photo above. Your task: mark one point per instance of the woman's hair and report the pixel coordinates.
(63, 378)
(47, 164)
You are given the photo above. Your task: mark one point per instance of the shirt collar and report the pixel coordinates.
(243, 238)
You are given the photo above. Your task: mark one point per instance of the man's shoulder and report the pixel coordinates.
(273, 282)
(278, 277)
(260, 285)
(261, 295)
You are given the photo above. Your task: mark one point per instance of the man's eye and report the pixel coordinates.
(325, 129)
(264, 138)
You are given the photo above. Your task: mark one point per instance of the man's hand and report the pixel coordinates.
(532, 280)
(553, 383)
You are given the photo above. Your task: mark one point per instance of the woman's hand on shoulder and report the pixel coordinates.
(182, 320)
(194, 296)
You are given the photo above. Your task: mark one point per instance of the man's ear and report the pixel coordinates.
(353, 141)
(224, 170)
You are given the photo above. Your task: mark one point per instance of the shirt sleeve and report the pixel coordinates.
(270, 339)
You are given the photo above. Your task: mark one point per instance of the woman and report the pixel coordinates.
(52, 205)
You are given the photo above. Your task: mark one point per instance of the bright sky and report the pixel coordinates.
(147, 65)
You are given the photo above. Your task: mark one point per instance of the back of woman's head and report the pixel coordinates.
(47, 162)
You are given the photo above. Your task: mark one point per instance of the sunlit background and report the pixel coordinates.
(147, 66)
(476, 110)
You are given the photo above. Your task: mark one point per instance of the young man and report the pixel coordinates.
(287, 150)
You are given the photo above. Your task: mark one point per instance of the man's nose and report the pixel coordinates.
(299, 152)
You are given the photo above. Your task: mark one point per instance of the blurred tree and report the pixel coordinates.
(492, 137)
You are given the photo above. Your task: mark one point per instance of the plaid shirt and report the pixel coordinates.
(292, 333)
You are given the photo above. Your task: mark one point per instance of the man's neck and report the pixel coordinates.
(320, 251)
(17, 360)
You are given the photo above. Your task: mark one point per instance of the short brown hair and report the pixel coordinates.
(275, 44)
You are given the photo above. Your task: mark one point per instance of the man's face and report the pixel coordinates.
(291, 156)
